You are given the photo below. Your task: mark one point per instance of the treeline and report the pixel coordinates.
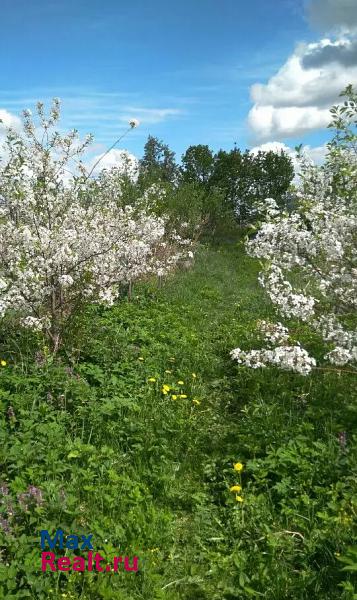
(211, 189)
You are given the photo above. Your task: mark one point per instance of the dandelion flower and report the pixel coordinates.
(141, 358)
(152, 379)
(134, 123)
(174, 397)
(194, 375)
(235, 488)
(183, 396)
(195, 401)
(168, 371)
(238, 467)
(3, 363)
(166, 387)
(239, 499)
(181, 382)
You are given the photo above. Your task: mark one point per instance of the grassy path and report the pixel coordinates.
(123, 450)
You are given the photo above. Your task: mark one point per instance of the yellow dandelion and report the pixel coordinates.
(183, 396)
(235, 488)
(194, 375)
(172, 358)
(141, 358)
(168, 371)
(238, 467)
(195, 401)
(181, 382)
(239, 499)
(3, 363)
(152, 379)
(166, 387)
(174, 397)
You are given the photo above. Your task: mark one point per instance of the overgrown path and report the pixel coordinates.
(133, 438)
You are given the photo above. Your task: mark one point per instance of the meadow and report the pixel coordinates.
(139, 428)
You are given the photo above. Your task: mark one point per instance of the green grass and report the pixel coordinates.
(150, 475)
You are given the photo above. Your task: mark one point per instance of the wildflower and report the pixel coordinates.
(239, 499)
(166, 387)
(152, 379)
(4, 489)
(5, 525)
(172, 358)
(195, 401)
(238, 467)
(141, 358)
(36, 493)
(3, 363)
(235, 488)
(33, 494)
(183, 396)
(181, 382)
(11, 413)
(174, 397)
(342, 439)
(194, 375)
(134, 123)
(168, 371)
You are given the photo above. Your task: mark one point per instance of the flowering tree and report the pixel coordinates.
(310, 256)
(57, 250)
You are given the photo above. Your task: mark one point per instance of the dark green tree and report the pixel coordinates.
(233, 173)
(158, 162)
(274, 173)
(248, 179)
(197, 164)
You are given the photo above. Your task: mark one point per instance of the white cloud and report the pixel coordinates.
(316, 154)
(343, 52)
(121, 159)
(297, 98)
(149, 115)
(271, 146)
(7, 119)
(290, 121)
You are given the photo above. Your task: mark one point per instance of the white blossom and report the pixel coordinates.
(61, 246)
(310, 257)
(290, 358)
(273, 332)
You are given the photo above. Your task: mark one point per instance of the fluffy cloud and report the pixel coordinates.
(342, 52)
(271, 146)
(316, 154)
(297, 98)
(333, 14)
(122, 159)
(8, 120)
(291, 121)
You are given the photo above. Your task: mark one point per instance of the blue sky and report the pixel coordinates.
(185, 69)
